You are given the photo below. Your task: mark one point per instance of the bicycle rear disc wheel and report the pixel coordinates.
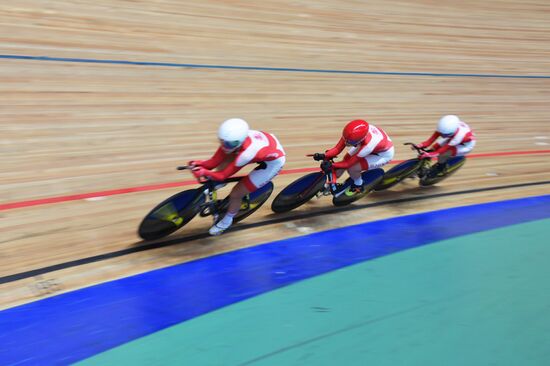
(298, 192)
(255, 201)
(453, 165)
(171, 214)
(370, 179)
(397, 174)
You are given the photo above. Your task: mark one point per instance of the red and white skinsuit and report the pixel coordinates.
(258, 147)
(459, 144)
(374, 151)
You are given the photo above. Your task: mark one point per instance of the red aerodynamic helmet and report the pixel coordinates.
(355, 131)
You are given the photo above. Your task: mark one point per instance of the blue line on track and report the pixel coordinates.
(72, 326)
(259, 68)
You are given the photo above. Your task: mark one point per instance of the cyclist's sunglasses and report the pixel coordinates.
(230, 145)
(353, 143)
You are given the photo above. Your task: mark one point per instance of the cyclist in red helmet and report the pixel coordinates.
(370, 148)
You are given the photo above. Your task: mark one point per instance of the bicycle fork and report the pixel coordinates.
(330, 184)
(331, 180)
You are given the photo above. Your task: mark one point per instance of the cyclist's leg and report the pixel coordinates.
(339, 172)
(459, 150)
(354, 172)
(465, 148)
(235, 198)
(377, 160)
(255, 180)
(369, 162)
(443, 158)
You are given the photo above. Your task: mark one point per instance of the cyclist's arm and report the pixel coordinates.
(444, 149)
(215, 160)
(430, 141)
(331, 153)
(227, 172)
(348, 162)
(452, 143)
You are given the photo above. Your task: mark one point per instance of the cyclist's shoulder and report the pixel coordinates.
(373, 129)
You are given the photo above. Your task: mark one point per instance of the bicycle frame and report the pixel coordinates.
(330, 179)
(329, 175)
(210, 191)
(425, 163)
(426, 166)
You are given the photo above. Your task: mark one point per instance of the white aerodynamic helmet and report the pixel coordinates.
(232, 133)
(448, 125)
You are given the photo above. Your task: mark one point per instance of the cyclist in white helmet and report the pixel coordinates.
(453, 137)
(241, 146)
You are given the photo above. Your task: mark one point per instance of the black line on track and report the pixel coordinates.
(306, 215)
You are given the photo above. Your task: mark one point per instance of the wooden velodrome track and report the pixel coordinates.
(70, 128)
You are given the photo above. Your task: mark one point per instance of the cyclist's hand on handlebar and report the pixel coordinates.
(319, 156)
(415, 147)
(200, 172)
(429, 155)
(197, 172)
(196, 163)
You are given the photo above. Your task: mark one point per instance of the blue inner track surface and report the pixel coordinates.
(262, 68)
(79, 324)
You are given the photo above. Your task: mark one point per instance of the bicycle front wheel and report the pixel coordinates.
(171, 214)
(452, 166)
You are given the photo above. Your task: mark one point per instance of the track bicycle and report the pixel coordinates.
(323, 183)
(428, 173)
(179, 209)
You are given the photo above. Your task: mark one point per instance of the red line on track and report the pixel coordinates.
(154, 187)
